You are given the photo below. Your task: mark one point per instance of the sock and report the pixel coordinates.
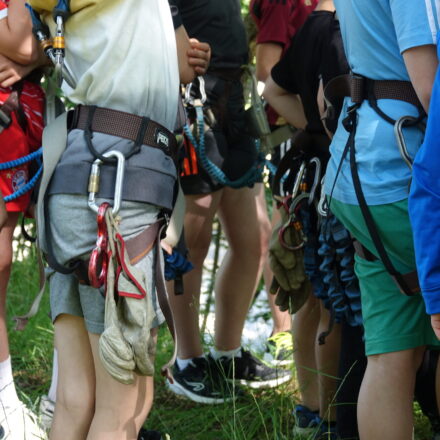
(229, 354)
(8, 394)
(183, 363)
(52, 394)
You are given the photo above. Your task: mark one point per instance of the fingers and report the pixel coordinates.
(199, 56)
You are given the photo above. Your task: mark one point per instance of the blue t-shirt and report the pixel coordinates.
(424, 205)
(375, 33)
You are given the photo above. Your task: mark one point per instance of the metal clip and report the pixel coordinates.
(298, 179)
(93, 187)
(196, 102)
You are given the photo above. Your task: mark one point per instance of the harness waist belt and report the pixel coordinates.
(125, 125)
(360, 88)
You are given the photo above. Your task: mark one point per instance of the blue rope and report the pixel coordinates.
(248, 179)
(21, 161)
(26, 187)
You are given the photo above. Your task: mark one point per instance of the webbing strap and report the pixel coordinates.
(350, 125)
(54, 144)
(6, 110)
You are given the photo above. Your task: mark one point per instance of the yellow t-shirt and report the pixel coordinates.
(122, 54)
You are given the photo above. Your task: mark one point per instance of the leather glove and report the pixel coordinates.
(290, 282)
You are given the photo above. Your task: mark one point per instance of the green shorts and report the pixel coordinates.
(392, 320)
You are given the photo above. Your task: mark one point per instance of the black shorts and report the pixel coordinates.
(226, 143)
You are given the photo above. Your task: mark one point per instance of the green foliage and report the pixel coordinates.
(258, 415)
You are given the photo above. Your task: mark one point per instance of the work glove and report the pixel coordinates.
(126, 346)
(286, 259)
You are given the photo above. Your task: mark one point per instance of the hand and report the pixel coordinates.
(199, 56)
(435, 322)
(11, 72)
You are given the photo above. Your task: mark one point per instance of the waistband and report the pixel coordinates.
(141, 130)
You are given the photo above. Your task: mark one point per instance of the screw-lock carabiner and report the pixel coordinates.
(93, 187)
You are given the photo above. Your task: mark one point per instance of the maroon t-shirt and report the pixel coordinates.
(277, 22)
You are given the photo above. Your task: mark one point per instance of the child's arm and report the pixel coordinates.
(3, 213)
(16, 39)
(12, 72)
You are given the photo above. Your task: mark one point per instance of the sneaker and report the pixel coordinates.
(2, 433)
(145, 434)
(307, 422)
(46, 410)
(249, 371)
(21, 424)
(327, 433)
(279, 350)
(201, 383)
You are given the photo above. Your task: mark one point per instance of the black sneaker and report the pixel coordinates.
(249, 371)
(201, 383)
(145, 434)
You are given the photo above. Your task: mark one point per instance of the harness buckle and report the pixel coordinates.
(93, 187)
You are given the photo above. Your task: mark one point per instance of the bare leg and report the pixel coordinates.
(76, 380)
(247, 230)
(282, 321)
(327, 359)
(385, 408)
(6, 235)
(199, 216)
(120, 410)
(305, 327)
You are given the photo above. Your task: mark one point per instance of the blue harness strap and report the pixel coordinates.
(248, 179)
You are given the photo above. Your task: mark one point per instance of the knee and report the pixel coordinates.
(77, 402)
(402, 363)
(6, 259)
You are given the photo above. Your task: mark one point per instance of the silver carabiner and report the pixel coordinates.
(298, 179)
(93, 187)
(196, 101)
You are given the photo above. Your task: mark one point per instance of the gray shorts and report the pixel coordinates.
(74, 230)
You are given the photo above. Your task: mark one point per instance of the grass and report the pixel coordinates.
(262, 415)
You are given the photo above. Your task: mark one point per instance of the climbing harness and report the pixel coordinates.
(54, 48)
(360, 89)
(197, 139)
(328, 249)
(36, 155)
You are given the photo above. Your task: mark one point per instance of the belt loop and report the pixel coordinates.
(357, 88)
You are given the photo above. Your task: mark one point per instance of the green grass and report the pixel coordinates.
(256, 416)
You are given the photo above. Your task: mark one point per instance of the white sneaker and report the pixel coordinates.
(47, 408)
(20, 424)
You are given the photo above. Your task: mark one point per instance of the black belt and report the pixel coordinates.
(138, 129)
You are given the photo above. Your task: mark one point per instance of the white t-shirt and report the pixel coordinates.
(123, 55)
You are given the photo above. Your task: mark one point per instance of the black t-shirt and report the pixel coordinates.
(219, 23)
(316, 51)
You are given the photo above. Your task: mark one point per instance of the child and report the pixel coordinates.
(21, 126)
(126, 64)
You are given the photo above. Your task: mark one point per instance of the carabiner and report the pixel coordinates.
(317, 163)
(93, 187)
(298, 179)
(196, 101)
(99, 259)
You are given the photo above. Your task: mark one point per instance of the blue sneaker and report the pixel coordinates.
(307, 422)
